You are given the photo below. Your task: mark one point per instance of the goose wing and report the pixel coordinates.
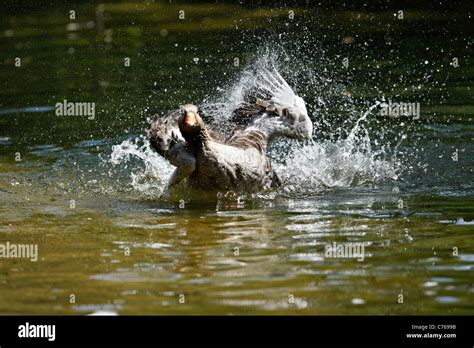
(271, 109)
(165, 137)
(163, 132)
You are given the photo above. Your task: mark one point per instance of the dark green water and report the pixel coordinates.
(105, 234)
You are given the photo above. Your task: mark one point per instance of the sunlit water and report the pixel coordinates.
(92, 194)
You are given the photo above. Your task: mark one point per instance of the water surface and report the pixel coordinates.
(90, 193)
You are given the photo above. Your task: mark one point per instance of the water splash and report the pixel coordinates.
(314, 167)
(151, 175)
(346, 162)
(326, 161)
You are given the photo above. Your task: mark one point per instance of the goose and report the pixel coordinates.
(213, 162)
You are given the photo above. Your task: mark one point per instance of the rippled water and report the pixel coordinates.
(92, 195)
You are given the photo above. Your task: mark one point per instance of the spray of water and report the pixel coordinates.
(152, 177)
(351, 161)
(321, 163)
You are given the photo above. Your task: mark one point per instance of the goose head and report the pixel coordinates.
(190, 123)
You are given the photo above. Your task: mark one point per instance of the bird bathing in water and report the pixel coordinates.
(211, 161)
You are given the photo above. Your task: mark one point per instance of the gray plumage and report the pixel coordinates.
(238, 162)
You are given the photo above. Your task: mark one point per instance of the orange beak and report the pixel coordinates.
(190, 119)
